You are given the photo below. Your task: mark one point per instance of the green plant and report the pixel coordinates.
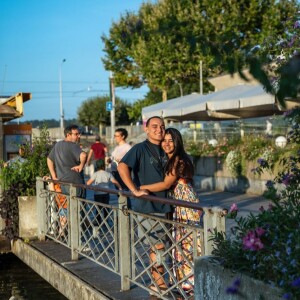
(266, 245)
(254, 146)
(234, 162)
(205, 149)
(19, 179)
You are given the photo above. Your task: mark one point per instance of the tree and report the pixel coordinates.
(135, 111)
(163, 43)
(92, 112)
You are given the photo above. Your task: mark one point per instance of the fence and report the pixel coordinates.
(119, 239)
(205, 131)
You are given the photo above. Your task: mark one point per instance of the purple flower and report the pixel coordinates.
(288, 113)
(297, 25)
(263, 163)
(233, 208)
(233, 289)
(261, 209)
(259, 231)
(233, 211)
(252, 240)
(296, 283)
(286, 179)
(287, 296)
(237, 282)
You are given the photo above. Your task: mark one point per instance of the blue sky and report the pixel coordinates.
(35, 37)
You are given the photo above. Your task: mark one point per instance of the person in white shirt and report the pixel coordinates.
(101, 179)
(120, 150)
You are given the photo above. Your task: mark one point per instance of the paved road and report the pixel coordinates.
(247, 203)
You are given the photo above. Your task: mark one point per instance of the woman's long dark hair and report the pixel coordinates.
(180, 159)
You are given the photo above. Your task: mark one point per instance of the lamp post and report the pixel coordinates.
(61, 102)
(113, 101)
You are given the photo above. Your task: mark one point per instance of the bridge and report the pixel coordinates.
(103, 251)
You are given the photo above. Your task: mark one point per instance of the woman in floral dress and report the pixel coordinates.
(178, 180)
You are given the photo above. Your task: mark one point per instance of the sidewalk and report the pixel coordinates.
(247, 203)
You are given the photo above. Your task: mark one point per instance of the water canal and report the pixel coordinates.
(19, 282)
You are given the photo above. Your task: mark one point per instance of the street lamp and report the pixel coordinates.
(113, 101)
(61, 102)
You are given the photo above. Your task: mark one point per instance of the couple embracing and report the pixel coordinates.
(160, 166)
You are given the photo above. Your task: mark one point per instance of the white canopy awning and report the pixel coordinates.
(241, 101)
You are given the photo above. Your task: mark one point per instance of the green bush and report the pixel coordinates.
(19, 179)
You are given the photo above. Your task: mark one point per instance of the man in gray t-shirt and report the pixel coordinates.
(66, 159)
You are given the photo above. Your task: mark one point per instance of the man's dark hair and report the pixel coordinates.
(154, 117)
(69, 129)
(123, 132)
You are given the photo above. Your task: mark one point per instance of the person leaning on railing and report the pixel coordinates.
(178, 180)
(66, 160)
(146, 160)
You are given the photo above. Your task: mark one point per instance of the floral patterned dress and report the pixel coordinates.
(183, 260)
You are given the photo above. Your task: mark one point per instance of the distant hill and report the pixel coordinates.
(51, 123)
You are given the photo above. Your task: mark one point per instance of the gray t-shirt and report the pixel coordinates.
(66, 155)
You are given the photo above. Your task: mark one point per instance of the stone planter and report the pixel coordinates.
(211, 174)
(212, 281)
(27, 216)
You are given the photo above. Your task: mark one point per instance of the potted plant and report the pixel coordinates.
(19, 179)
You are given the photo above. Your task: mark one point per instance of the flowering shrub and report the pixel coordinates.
(220, 150)
(250, 147)
(267, 245)
(254, 146)
(234, 162)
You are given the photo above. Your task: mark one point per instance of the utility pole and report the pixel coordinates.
(201, 78)
(61, 102)
(113, 101)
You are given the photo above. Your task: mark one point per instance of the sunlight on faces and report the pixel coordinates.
(74, 136)
(118, 137)
(155, 130)
(168, 144)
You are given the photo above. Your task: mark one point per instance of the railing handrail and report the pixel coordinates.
(120, 239)
(170, 201)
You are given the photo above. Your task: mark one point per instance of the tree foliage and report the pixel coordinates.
(92, 112)
(162, 44)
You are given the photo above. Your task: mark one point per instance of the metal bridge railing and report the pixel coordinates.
(119, 239)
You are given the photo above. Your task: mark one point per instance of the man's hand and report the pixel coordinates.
(77, 169)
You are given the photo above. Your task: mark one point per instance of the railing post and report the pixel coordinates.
(41, 207)
(124, 242)
(74, 223)
(213, 219)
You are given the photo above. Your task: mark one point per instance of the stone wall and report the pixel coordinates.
(212, 174)
(212, 281)
(27, 216)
